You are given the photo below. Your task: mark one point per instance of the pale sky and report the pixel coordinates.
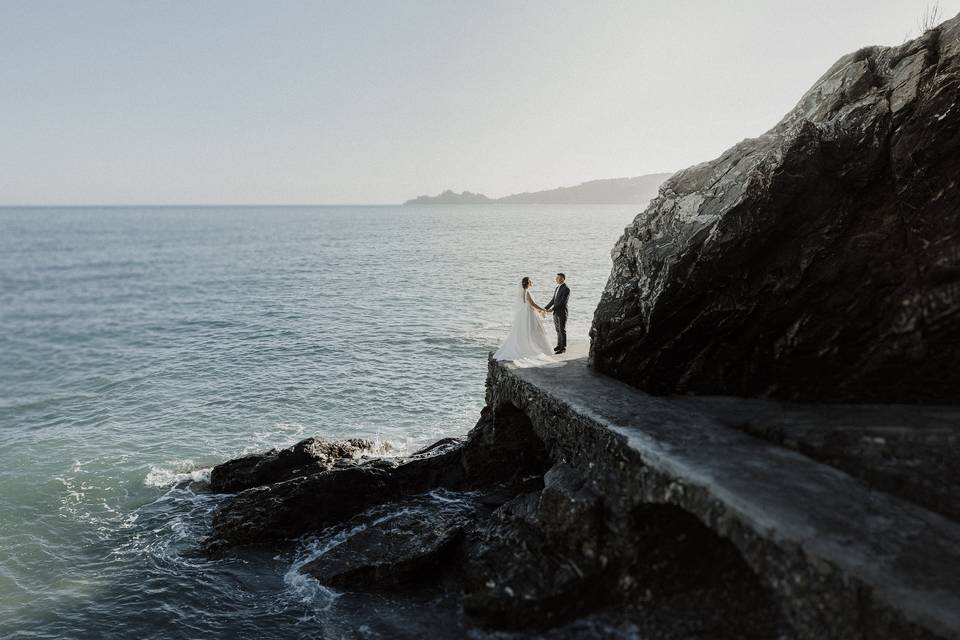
(286, 102)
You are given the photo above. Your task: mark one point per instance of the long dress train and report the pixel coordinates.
(527, 344)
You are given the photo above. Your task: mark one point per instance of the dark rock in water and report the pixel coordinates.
(435, 466)
(304, 458)
(513, 579)
(500, 457)
(820, 261)
(391, 552)
(497, 456)
(536, 561)
(502, 449)
(289, 509)
(541, 559)
(441, 445)
(570, 512)
(546, 558)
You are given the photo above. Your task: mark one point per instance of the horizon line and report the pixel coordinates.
(188, 204)
(277, 205)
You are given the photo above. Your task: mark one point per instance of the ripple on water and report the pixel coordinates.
(176, 472)
(141, 346)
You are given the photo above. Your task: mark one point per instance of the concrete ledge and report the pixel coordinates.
(909, 451)
(845, 561)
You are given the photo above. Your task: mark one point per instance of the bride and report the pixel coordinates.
(527, 343)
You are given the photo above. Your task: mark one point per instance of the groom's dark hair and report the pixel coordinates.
(562, 276)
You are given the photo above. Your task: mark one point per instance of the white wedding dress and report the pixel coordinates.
(527, 344)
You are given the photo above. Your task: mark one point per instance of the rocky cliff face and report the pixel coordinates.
(819, 261)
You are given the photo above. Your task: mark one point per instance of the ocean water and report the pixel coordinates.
(140, 346)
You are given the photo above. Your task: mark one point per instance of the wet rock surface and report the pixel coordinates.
(537, 561)
(291, 508)
(817, 262)
(390, 552)
(309, 456)
(500, 522)
(499, 457)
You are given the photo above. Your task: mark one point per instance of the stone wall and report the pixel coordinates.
(816, 600)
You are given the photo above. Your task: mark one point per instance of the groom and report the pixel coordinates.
(558, 305)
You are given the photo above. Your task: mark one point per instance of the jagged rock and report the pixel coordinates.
(499, 456)
(547, 557)
(435, 466)
(820, 261)
(440, 446)
(312, 455)
(536, 561)
(391, 552)
(288, 509)
(570, 512)
(502, 449)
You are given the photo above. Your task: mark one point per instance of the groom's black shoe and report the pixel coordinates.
(557, 349)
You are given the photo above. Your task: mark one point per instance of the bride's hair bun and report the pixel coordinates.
(525, 282)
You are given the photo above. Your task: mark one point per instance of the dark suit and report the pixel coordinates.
(559, 305)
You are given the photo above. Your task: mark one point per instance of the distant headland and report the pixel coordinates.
(638, 190)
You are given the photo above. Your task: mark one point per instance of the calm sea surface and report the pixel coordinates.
(140, 346)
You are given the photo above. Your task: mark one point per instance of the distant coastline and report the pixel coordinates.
(636, 190)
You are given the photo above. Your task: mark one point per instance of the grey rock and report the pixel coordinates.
(548, 557)
(437, 465)
(288, 509)
(499, 457)
(392, 552)
(818, 261)
(501, 450)
(309, 456)
(536, 561)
